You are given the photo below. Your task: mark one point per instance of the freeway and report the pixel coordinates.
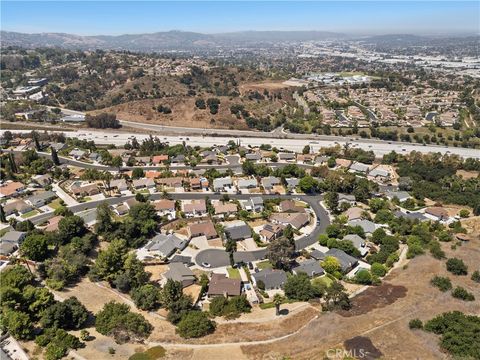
(285, 141)
(216, 257)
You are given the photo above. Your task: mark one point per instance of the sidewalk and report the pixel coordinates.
(69, 201)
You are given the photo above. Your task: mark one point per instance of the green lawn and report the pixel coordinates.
(233, 273)
(55, 204)
(30, 214)
(323, 280)
(264, 265)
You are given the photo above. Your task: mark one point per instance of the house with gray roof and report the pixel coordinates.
(400, 195)
(311, 267)
(358, 242)
(359, 167)
(410, 215)
(165, 245)
(272, 279)
(346, 261)
(77, 153)
(41, 198)
(253, 156)
(292, 183)
(177, 271)
(367, 225)
(222, 184)
(247, 183)
(379, 173)
(269, 182)
(287, 156)
(317, 254)
(14, 236)
(239, 231)
(346, 198)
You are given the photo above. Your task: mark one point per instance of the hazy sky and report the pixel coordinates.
(121, 17)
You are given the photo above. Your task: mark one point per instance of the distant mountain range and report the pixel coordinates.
(170, 40)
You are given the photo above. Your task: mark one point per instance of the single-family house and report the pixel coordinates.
(367, 225)
(195, 208)
(238, 231)
(42, 180)
(270, 279)
(292, 183)
(220, 285)
(159, 159)
(358, 242)
(412, 215)
(17, 206)
(143, 183)
(165, 207)
(296, 220)
(286, 156)
(289, 206)
(119, 184)
(271, 231)
(179, 272)
(311, 267)
(85, 190)
(354, 213)
(400, 195)
(222, 184)
(11, 189)
(255, 156)
(205, 228)
(346, 261)
(346, 198)
(359, 168)
(437, 213)
(40, 199)
(269, 182)
(77, 153)
(165, 245)
(246, 183)
(224, 209)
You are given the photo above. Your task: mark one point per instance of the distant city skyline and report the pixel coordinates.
(349, 17)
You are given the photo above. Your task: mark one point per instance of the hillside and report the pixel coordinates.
(169, 40)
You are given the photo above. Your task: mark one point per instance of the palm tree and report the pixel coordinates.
(278, 300)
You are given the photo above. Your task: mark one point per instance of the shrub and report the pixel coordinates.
(195, 324)
(461, 293)
(457, 266)
(363, 277)
(442, 283)
(378, 269)
(476, 276)
(415, 324)
(460, 333)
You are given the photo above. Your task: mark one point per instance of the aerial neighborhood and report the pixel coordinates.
(242, 194)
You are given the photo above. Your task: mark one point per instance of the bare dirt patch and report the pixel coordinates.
(468, 174)
(361, 346)
(374, 297)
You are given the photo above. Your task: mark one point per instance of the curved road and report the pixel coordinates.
(216, 257)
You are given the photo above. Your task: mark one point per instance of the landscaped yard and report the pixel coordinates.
(55, 204)
(233, 273)
(264, 265)
(30, 214)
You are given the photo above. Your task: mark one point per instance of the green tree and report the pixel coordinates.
(299, 287)
(277, 300)
(70, 314)
(117, 320)
(363, 277)
(35, 247)
(331, 264)
(308, 184)
(146, 297)
(55, 158)
(280, 252)
(17, 323)
(195, 324)
(104, 224)
(231, 248)
(331, 200)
